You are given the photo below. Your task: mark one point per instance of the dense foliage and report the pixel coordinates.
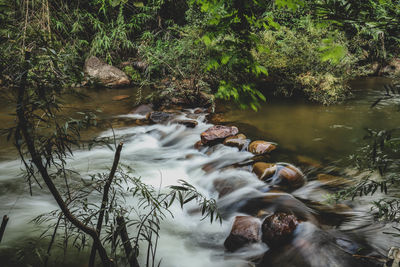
(228, 48)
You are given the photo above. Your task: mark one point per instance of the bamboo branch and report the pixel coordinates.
(130, 253)
(3, 226)
(26, 129)
(104, 202)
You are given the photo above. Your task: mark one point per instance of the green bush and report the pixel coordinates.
(308, 59)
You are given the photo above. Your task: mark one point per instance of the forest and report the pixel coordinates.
(200, 133)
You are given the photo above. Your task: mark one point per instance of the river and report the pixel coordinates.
(307, 135)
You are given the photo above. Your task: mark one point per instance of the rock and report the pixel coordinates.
(142, 110)
(289, 176)
(278, 228)
(106, 74)
(227, 186)
(238, 141)
(187, 123)
(331, 180)
(198, 145)
(120, 97)
(261, 147)
(140, 65)
(159, 117)
(217, 134)
(392, 68)
(245, 230)
(264, 170)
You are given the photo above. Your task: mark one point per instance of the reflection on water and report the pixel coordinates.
(324, 132)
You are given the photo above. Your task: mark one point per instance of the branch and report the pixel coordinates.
(26, 129)
(105, 201)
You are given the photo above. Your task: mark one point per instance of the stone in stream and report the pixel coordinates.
(120, 97)
(106, 74)
(142, 110)
(260, 147)
(264, 170)
(217, 133)
(159, 117)
(245, 230)
(187, 123)
(227, 186)
(238, 141)
(289, 176)
(198, 145)
(278, 228)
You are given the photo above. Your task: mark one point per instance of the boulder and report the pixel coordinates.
(264, 170)
(106, 74)
(159, 117)
(142, 110)
(245, 230)
(278, 228)
(226, 186)
(187, 123)
(289, 176)
(392, 68)
(217, 134)
(261, 147)
(238, 141)
(120, 97)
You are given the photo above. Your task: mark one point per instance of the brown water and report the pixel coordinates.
(327, 133)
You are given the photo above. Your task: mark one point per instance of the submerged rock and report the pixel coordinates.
(278, 228)
(238, 141)
(245, 230)
(187, 123)
(107, 75)
(260, 147)
(120, 97)
(159, 117)
(217, 134)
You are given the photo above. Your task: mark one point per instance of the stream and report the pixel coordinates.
(318, 139)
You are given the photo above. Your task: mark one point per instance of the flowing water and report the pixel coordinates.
(313, 137)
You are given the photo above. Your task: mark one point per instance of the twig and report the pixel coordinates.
(3, 226)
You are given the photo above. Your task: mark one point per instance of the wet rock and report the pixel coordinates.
(289, 176)
(238, 141)
(278, 228)
(261, 147)
(187, 123)
(227, 186)
(120, 97)
(106, 74)
(142, 110)
(159, 117)
(245, 230)
(198, 145)
(264, 170)
(331, 180)
(217, 134)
